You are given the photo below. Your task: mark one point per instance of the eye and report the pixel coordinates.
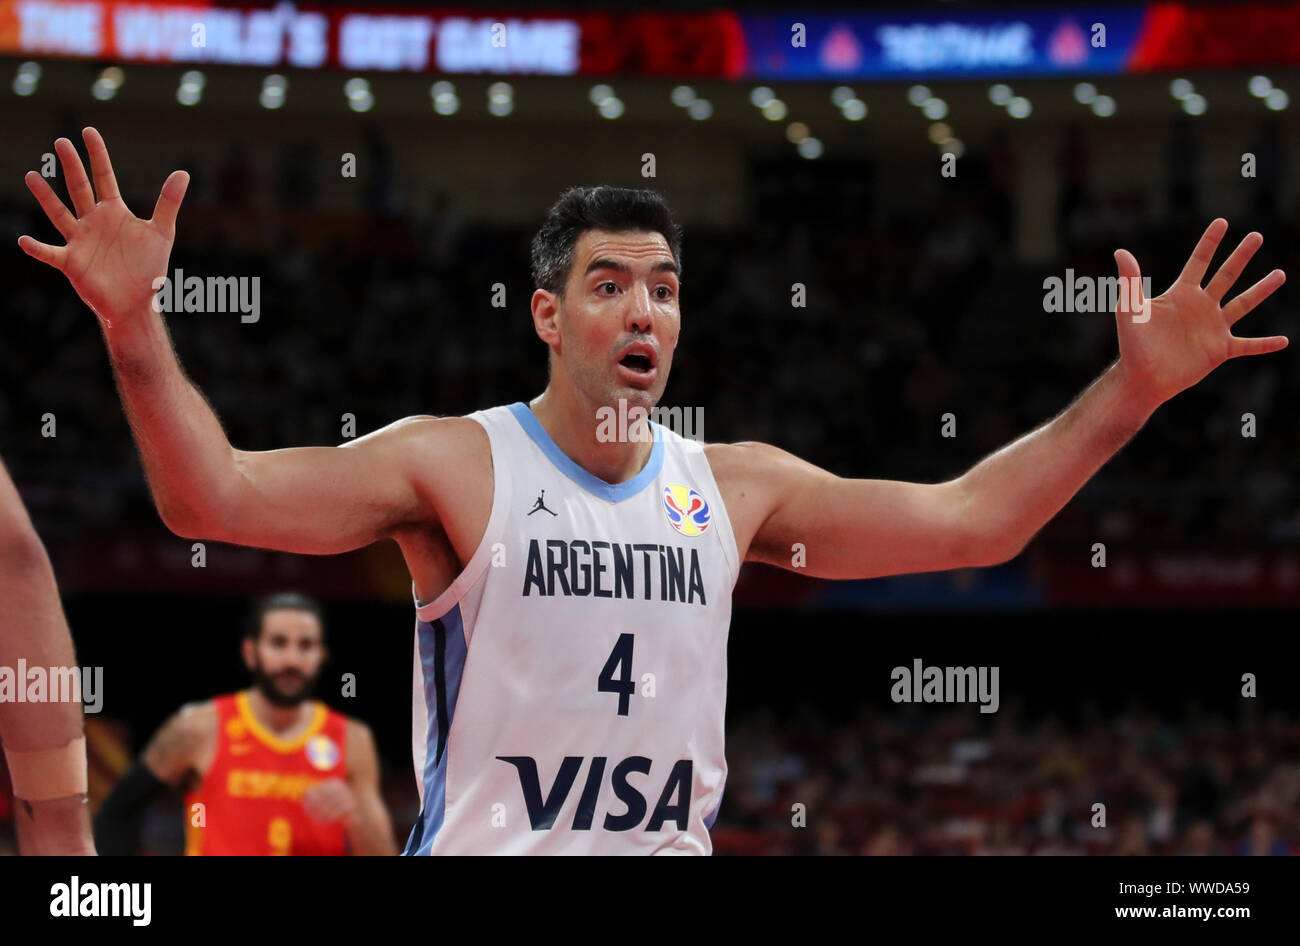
(606, 283)
(667, 292)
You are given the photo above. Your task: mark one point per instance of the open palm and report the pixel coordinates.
(1169, 343)
(112, 256)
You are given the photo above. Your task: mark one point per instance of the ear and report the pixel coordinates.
(546, 318)
(249, 650)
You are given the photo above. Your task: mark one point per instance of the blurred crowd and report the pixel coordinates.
(910, 315)
(1131, 783)
(927, 783)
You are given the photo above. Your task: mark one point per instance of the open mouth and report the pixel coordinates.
(638, 363)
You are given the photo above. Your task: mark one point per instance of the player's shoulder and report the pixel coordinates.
(356, 727)
(182, 739)
(424, 430)
(198, 709)
(197, 716)
(455, 447)
(360, 739)
(747, 460)
(447, 438)
(754, 477)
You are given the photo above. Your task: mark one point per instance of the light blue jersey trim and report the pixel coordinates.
(442, 658)
(713, 815)
(614, 492)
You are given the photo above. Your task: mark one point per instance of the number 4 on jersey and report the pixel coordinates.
(620, 656)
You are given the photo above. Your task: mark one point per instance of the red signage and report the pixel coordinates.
(285, 35)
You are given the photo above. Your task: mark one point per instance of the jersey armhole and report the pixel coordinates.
(501, 491)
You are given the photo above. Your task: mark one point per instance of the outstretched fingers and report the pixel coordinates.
(100, 166)
(55, 256)
(1239, 347)
(1231, 269)
(54, 208)
(74, 175)
(1194, 271)
(169, 201)
(1242, 304)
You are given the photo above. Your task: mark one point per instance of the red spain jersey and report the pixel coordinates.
(252, 793)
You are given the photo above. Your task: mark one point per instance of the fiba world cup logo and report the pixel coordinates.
(687, 510)
(322, 752)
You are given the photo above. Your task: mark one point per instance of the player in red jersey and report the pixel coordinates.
(266, 770)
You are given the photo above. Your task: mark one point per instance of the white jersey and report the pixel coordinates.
(570, 685)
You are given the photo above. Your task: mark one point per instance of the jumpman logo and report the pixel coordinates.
(541, 504)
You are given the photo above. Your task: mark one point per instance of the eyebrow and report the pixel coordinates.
(665, 266)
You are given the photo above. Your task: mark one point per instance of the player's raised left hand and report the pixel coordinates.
(1169, 343)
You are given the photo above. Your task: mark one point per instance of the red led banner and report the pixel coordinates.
(679, 44)
(1181, 36)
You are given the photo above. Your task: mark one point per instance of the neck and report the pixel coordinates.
(572, 421)
(278, 719)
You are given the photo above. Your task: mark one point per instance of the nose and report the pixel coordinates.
(640, 314)
(298, 663)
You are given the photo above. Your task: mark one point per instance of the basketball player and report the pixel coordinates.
(44, 743)
(571, 669)
(266, 770)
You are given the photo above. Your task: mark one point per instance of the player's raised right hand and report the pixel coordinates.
(112, 256)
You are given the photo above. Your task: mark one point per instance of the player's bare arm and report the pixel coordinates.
(856, 528)
(43, 741)
(183, 747)
(370, 830)
(179, 753)
(314, 500)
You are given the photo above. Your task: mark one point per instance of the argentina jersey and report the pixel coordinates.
(570, 684)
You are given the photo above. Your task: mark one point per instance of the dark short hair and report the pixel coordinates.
(579, 209)
(282, 600)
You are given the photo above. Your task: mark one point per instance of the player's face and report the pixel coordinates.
(619, 319)
(286, 658)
